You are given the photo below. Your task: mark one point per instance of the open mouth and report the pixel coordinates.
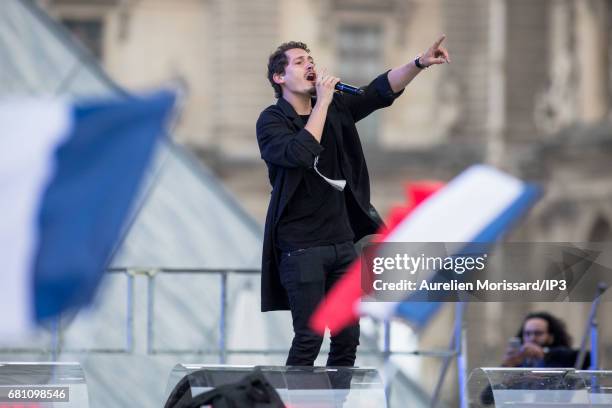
(311, 76)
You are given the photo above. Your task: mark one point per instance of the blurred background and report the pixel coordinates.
(529, 90)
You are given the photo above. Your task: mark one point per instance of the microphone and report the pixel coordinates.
(349, 89)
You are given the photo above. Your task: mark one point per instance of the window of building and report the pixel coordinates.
(360, 59)
(89, 32)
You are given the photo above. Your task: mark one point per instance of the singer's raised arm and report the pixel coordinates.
(401, 76)
(377, 94)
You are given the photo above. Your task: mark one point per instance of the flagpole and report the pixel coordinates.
(443, 370)
(461, 349)
(591, 329)
(386, 356)
(55, 337)
(458, 349)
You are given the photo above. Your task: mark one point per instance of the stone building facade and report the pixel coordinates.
(529, 90)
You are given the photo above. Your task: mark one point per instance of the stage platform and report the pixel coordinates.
(297, 386)
(539, 388)
(40, 384)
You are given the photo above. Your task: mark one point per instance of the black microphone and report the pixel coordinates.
(349, 89)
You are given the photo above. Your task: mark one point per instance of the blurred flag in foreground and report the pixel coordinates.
(479, 205)
(68, 176)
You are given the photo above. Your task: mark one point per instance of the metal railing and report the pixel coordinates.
(223, 351)
(456, 348)
(150, 275)
(57, 329)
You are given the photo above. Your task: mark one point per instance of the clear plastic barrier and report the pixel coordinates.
(297, 386)
(526, 387)
(598, 384)
(43, 385)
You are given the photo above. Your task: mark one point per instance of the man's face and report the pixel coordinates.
(300, 74)
(536, 331)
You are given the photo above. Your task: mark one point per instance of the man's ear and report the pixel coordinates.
(278, 78)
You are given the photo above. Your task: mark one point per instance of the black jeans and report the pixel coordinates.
(307, 275)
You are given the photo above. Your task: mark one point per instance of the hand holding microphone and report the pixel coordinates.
(328, 84)
(325, 86)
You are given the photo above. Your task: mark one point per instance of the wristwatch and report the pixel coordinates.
(418, 64)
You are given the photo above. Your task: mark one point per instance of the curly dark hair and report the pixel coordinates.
(278, 61)
(556, 327)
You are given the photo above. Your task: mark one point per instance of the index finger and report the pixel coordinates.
(437, 43)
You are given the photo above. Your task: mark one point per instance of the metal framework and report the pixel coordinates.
(457, 346)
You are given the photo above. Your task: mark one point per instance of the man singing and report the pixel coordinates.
(320, 202)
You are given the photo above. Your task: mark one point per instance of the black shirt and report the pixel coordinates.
(316, 214)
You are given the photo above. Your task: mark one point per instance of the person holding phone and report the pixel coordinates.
(542, 341)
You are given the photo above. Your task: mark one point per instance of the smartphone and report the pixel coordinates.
(514, 343)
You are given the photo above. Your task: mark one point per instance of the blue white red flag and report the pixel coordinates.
(69, 173)
(478, 206)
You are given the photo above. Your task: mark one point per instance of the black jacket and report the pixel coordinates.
(289, 150)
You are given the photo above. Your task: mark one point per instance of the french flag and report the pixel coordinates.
(69, 174)
(478, 206)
